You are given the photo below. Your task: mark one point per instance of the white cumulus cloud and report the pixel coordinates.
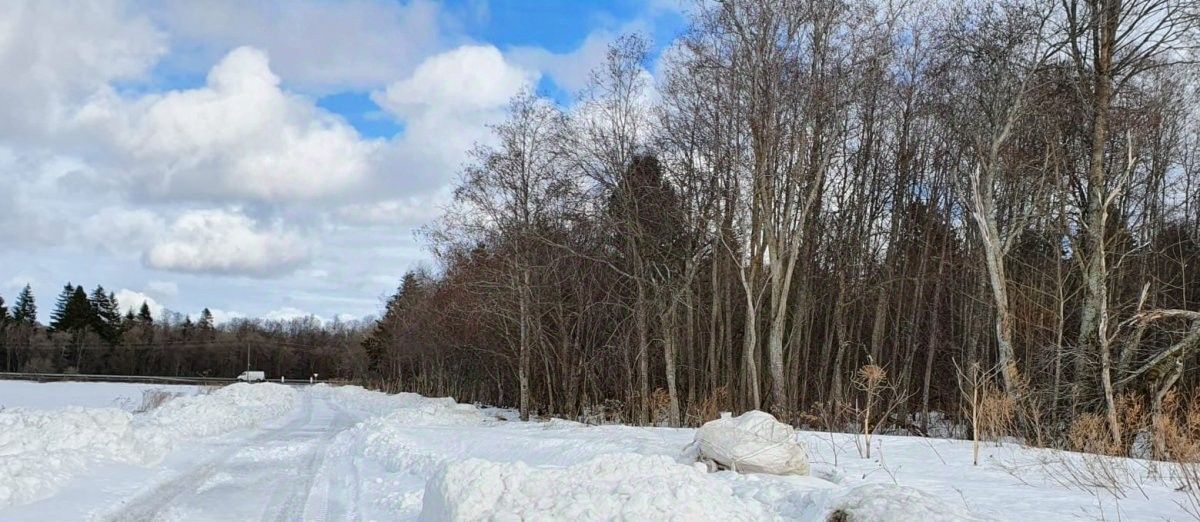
(229, 243)
(122, 230)
(132, 300)
(121, 121)
(163, 288)
(446, 105)
(54, 56)
(240, 135)
(467, 79)
(572, 70)
(221, 317)
(316, 44)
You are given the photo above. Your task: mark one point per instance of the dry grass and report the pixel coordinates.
(829, 416)
(1176, 437)
(992, 413)
(611, 411)
(206, 389)
(1088, 432)
(997, 413)
(659, 404)
(1177, 429)
(1172, 437)
(1094, 474)
(1188, 476)
(152, 399)
(872, 380)
(709, 408)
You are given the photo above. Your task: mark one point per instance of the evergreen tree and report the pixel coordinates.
(58, 317)
(106, 316)
(75, 313)
(82, 315)
(113, 314)
(187, 328)
(25, 309)
(3, 312)
(144, 316)
(145, 324)
(206, 320)
(385, 334)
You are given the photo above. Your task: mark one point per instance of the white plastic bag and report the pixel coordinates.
(753, 442)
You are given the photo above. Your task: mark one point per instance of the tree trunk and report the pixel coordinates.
(524, 348)
(1093, 324)
(643, 352)
(669, 334)
(984, 215)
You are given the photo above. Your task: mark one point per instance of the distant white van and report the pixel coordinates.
(251, 376)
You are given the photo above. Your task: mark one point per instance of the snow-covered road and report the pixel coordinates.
(273, 453)
(284, 473)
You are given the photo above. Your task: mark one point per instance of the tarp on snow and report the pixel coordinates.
(753, 442)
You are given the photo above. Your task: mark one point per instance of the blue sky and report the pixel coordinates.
(263, 159)
(555, 26)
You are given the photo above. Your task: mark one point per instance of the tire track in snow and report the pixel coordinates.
(341, 488)
(295, 472)
(152, 504)
(343, 483)
(290, 499)
(318, 494)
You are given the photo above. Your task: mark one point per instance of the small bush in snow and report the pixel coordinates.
(152, 399)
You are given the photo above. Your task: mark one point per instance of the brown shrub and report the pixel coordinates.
(152, 399)
(709, 407)
(1089, 432)
(660, 402)
(1177, 429)
(997, 414)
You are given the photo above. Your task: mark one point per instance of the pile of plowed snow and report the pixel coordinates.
(42, 449)
(883, 502)
(386, 436)
(39, 450)
(610, 487)
(232, 407)
(404, 408)
(449, 461)
(657, 487)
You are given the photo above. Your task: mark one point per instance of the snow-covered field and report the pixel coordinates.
(271, 452)
(50, 395)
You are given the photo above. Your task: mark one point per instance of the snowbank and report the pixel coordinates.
(387, 436)
(404, 408)
(233, 407)
(656, 487)
(41, 450)
(882, 502)
(449, 461)
(57, 395)
(409, 456)
(611, 487)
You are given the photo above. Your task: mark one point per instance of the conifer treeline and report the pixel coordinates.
(88, 333)
(811, 187)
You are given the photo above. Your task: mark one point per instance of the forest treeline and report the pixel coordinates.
(89, 333)
(808, 193)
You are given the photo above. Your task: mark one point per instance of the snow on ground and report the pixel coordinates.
(52, 395)
(461, 469)
(617, 486)
(42, 449)
(344, 453)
